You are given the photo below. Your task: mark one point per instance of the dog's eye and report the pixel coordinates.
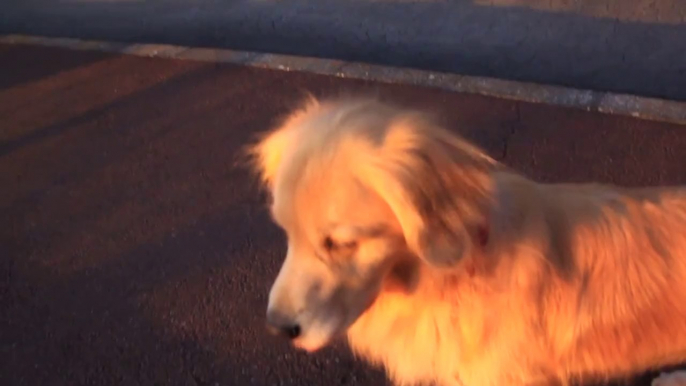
(331, 246)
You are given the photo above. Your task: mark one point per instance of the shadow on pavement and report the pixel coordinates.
(27, 67)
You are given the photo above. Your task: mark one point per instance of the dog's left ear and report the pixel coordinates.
(267, 153)
(437, 184)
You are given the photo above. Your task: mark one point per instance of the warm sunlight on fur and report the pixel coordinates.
(444, 266)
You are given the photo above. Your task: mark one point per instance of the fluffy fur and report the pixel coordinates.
(444, 266)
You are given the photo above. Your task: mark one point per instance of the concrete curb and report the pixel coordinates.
(604, 102)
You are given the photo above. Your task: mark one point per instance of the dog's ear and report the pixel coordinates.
(438, 186)
(266, 154)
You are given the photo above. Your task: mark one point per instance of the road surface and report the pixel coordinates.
(134, 252)
(629, 46)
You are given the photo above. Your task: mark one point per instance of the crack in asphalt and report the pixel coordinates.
(513, 126)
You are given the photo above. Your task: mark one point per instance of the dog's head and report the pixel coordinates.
(366, 193)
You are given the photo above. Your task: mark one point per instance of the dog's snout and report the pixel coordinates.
(277, 324)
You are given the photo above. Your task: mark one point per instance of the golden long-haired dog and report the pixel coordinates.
(446, 267)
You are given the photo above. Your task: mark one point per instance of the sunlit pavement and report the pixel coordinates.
(134, 252)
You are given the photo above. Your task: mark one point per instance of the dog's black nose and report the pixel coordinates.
(282, 325)
(289, 331)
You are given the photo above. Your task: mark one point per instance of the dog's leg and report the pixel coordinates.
(674, 378)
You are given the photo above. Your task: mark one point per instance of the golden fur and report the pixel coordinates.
(444, 266)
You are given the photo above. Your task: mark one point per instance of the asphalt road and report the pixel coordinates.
(630, 46)
(134, 252)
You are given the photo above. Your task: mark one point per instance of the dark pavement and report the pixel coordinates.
(628, 46)
(134, 252)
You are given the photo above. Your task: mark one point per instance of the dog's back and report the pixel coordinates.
(629, 247)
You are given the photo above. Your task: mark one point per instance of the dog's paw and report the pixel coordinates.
(674, 378)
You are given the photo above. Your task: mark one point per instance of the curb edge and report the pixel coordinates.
(635, 106)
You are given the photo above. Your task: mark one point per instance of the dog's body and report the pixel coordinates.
(444, 266)
(582, 282)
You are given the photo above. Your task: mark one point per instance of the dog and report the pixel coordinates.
(446, 267)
